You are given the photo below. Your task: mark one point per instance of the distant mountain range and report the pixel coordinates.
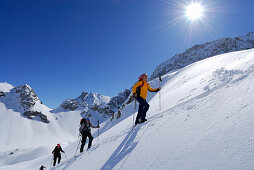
(23, 99)
(94, 102)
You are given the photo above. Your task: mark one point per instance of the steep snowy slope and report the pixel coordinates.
(17, 132)
(206, 122)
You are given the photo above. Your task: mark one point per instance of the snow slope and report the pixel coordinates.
(5, 87)
(206, 122)
(18, 131)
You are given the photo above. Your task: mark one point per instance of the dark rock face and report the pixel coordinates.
(203, 51)
(35, 114)
(115, 103)
(27, 96)
(118, 100)
(2, 94)
(83, 95)
(130, 99)
(70, 104)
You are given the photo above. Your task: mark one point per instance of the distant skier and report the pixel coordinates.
(42, 167)
(139, 91)
(85, 131)
(57, 154)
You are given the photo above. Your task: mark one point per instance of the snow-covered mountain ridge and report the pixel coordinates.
(24, 100)
(94, 102)
(85, 100)
(203, 51)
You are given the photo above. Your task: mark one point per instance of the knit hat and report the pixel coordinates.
(142, 76)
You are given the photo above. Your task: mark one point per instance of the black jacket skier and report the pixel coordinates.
(85, 131)
(42, 167)
(57, 154)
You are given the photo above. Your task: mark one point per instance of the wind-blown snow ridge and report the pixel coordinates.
(202, 51)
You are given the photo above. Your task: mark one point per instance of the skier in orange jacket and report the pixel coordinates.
(139, 91)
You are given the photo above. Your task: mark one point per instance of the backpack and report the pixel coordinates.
(138, 89)
(84, 126)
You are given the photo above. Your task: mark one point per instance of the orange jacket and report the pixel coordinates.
(144, 88)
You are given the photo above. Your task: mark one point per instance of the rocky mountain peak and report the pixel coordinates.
(249, 33)
(23, 99)
(83, 96)
(27, 96)
(94, 102)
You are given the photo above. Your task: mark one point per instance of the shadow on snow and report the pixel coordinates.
(123, 150)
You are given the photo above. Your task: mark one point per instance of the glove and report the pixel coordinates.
(98, 126)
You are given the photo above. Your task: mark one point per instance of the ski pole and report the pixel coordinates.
(134, 114)
(135, 105)
(78, 146)
(51, 162)
(133, 120)
(65, 156)
(98, 123)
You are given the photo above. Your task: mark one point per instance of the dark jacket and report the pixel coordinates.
(57, 151)
(86, 126)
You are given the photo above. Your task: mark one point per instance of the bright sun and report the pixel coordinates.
(194, 11)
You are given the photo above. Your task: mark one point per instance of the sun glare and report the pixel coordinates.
(194, 11)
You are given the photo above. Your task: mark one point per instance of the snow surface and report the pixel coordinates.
(206, 122)
(5, 87)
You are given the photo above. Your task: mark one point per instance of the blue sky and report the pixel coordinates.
(63, 47)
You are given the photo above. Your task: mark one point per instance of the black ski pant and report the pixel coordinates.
(55, 157)
(86, 134)
(143, 108)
